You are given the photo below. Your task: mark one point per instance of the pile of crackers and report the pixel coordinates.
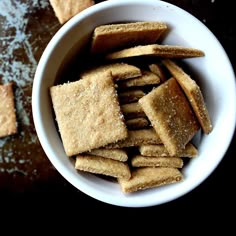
(133, 115)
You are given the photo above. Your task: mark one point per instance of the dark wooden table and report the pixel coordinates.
(28, 180)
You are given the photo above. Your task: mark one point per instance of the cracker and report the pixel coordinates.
(170, 115)
(143, 161)
(148, 177)
(8, 122)
(129, 96)
(194, 94)
(103, 166)
(157, 50)
(137, 123)
(86, 112)
(147, 78)
(132, 110)
(66, 9)
(137, 138)
(115, 36)
(158, 70)
(159, 150)
(119, 71)
(115, 154)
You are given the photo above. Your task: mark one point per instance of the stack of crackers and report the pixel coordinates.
(133, 116)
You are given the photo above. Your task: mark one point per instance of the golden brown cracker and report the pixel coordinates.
(170, 115)
(138, 138)
(8, 121)
(117, 154)
(159, 150)
(194, 94)
(149, 177)
(143, 161)
(132, 110)
(86, 112)
(119, 71)
(110, 37)
(158, 70)
(66, 9)
(131, 95)
(147, 78)
(137, 123)
(103, 166)
(157, 50)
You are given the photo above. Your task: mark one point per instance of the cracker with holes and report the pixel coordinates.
(8, 122)
(86, 112)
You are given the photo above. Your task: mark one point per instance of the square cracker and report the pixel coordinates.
(86, 112)
(171, 115)
(8, 123)
(149, 177)
(66, 9)
(193, 92)
(110, 37)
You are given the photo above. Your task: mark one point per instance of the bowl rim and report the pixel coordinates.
(42, 65)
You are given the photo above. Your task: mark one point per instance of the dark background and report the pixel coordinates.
(46, 193)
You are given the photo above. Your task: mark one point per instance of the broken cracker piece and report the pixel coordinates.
(143, 161)
(66, 9)
(149, 177)
(194, 94)
(8, 122)
(86, 112)
(111, 37)
(166, 51)
(117, 154)
(170, 115)
(104, 166)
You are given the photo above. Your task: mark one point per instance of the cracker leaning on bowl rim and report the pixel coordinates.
(170, 115)
(193, 92)
(86, 112)
(158, 50)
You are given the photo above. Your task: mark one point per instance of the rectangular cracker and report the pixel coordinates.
(111, 37)
(144, 161)
(132, 110)
(66, 9)
(103, 166)
(157, 50)
(129, 96)
(147, 78)
(119, 71)
(170, 115)
(148, 177)
(137, 138)
(115, 154)
(8, 122)
(137, 123)
(86, 112)
(193, 93)
(159, 150)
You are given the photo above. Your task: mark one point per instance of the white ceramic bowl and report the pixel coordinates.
(216, 78)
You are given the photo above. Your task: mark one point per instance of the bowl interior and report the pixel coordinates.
(213, 72)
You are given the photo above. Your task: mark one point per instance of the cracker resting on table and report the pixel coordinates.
(8, 122)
